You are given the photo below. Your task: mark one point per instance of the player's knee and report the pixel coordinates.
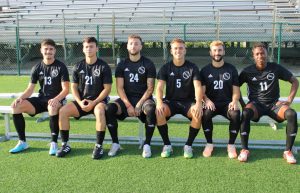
(247, 114)
(149, 109)
(290, 114)
(111, 109)
(207, 114)
(234, 115)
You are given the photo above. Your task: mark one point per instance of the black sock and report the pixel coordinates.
(163, 130)
(208, 132)
(149, 133)
(113, 130)
(291, 128)
(245, 127)
(111, 121)
(192, 135)
(19, 123)
(64, 135)
(100, 137)
(234, 125)
(54, 127)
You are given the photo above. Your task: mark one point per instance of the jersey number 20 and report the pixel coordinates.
(218, 84)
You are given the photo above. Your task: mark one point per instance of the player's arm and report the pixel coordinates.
(159, 96)
(197, 108)
(235, 98)
(147, 94)
(123, 96)
(26, 94)
(75, 93)
(207, 102)
(294, 88)
(63, 93)
(103, 94)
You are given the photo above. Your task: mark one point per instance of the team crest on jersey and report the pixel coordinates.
(141, 70)
(270, 76)
(54, 73)
(226, 76)
(186, 75)
(96, 72)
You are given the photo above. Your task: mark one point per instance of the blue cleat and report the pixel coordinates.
(21, 146)
(53, 148)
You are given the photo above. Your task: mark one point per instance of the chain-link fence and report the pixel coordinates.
(20, 46)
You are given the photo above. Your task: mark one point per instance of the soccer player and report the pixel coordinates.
(53, 78)
(262, 80)
(183, 96)
(135, 77)
(222, 92)
(91, 84)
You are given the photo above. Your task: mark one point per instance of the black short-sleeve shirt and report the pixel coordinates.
(91, 78)
(219, 82)
(263, 86)
(179, 80)
(49, 77)
(135, 75)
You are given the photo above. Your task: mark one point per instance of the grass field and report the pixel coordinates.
(36, 171)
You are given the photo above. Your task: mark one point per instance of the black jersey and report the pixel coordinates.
(49, 77)
(219, 82)
(135, 75)
(263, 86)
(179, 80)
(91, 78)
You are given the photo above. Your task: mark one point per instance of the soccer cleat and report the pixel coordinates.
(244, 155)
(63, 151)
(167, 151)
(209, 147)
(97, 152)
(115, 147)
(188, 151)
(53, 148)
(231, 151)
(21, 146)
(289, 157)
(146, 151)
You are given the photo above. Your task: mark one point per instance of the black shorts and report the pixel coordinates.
(270, 110)
(41, 104)
(221, 109)
(133, 101)
(82, 112)
(179, 107)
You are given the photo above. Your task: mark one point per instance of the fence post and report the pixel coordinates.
(98, 37)
(218, 25)
(184, 32)
(164, 38)
(18, 45)
(273, 34)
(279, 43)
(64, 38)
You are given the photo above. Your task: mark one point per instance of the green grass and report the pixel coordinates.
(36, 171)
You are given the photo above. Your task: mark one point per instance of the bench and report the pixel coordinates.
(259, 144)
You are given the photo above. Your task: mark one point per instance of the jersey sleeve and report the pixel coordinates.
(64, 73)
(235, 77)
(196, 73)
(107, 76)
(284, 74)
(75, 77)
(119, 70)
(242, 78)
(34, 75)
(151, 70)
(202, 76)
(162, 74)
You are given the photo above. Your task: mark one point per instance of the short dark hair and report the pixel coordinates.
(135, 36)
(259, 45)
(50, 42)
(89, 40)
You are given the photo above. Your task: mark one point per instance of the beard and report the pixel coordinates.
(217, 60)
(133, 53)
